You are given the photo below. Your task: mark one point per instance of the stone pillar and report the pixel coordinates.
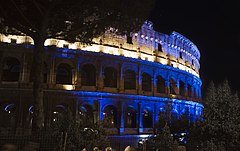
(24, 70)
(177, 86)
(99, 75)
(52, 74)
(153, 85)
(19, 115)
(167, 84)
(121, 116)
(140, 122)
(155, 50)
(97, 113)
(74, 75)
(185, 90)
(155, 117)
(78, 73)
(120, 83)
(139, 80)
(1, 62)
(199, 92)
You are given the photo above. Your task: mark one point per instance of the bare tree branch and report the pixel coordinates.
(38, 7)
(24, 17)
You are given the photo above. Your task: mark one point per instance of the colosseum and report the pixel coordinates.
(128, 80)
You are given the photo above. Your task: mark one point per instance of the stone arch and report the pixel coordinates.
(58, 111)
(29, 117)
(88, 75)
(195, 92)
(162, 121)
(146, 82)
(181, 88)
(161, 86)
(110, 117)
(129, 79)
(86, 113)
(147, 118)
(130, 118)
(127, 66)
(65, 61)
(173, 86)
(110, 77)
(64, 74)
(189, 88)
(174, 115)
(9, 115)
(11, 68)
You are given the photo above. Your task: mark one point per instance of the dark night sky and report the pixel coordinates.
(211, 25)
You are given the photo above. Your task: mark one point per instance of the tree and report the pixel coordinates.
(163, 141)
(72, 20)
(77, 135)
(220, 126)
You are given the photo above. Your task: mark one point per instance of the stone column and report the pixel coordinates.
(1, 62)
(155, 117)
(139, 80)
(167, 84)
(52, 74)
(48, 110)
(78, 74)
(121, 116)
(177, 86)
(185, 90)
(140, 123)
(97, 117)
(153, 85)
(19, 115)
(120, 83)
(99, 75)
(24, 72)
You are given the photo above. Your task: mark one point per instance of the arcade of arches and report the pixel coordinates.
(125, 96)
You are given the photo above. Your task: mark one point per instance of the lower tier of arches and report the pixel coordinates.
(119, 113)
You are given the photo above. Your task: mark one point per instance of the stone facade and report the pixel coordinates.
(124, 81)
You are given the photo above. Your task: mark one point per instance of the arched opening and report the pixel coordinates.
(45, 72)
(58, 111)
(88, 75)
(173, 87)
(110, 117)
(161, 87)
(189, 90)
(147, 118)
(174, 116)
(110, 77)
(9, 116)
(86, 113)
(28, 116)
(64, 74)
(195, 93)
(129, 79)
(146, 82)
(130, 118)
(181, 88)
(161, 118)
(10, 69)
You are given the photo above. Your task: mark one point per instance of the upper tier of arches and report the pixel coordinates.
(103, 73)
(174, 50)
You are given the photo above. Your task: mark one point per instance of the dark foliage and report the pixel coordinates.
(72, 20)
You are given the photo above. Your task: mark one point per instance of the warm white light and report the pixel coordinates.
(146, 52)
(68, 87)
